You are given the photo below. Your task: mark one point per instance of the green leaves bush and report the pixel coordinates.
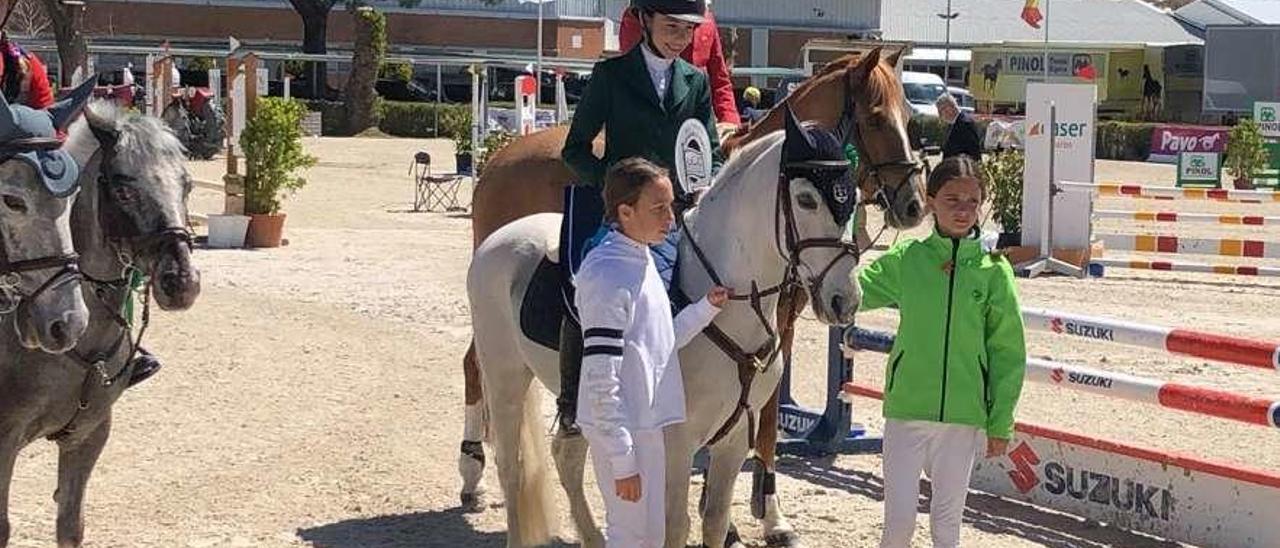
(1246, 151)
(1003, 172)
(272, 145)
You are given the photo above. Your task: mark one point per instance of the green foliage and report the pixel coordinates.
(1123, 140)
(272, 145)
(395, 71)
(202, 63)
(495, 141)
(402, 119)
(456, 124)
(295, 68)
(1003, 172)
(1246, 151)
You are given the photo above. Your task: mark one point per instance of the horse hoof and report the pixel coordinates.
(473, 502)
(733, 539)
(783, 539)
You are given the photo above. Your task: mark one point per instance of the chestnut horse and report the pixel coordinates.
(528, 177)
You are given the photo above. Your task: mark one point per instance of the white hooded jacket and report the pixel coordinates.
(630, 369)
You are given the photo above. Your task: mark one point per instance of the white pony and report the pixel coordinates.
(774, 218)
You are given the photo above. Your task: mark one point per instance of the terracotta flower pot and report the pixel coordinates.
(1243, 183)
(265, 230)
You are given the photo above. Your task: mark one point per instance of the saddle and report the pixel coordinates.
(550, 295)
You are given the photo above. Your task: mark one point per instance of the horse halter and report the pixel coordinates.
(885, 195)
(119, 227)
(11, 295)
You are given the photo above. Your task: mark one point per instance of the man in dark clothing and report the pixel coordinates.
(963, 138)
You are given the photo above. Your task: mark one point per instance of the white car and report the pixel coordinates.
(963, 98)
(922, 89)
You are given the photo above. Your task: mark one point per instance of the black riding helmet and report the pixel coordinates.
(689, 11)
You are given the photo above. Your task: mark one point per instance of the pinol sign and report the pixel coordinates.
(1268, 117)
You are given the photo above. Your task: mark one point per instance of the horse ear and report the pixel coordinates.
(893, 58)
(798, 144)
(64, 111)
(868, 63)
(104, 130)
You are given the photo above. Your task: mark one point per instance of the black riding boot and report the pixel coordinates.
(144, 366)
(570, 370)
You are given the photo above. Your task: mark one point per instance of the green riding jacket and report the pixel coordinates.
(960, 355)
(621, 99)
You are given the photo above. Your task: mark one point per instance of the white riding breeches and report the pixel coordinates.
(946, 452)
(640, 524)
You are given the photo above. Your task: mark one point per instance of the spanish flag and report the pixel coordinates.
(1031, 13)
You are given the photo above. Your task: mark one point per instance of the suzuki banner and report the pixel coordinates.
(1179, 499)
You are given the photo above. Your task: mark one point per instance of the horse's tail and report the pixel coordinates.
(535, 505)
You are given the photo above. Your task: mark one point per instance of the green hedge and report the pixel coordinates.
(1123, 141)
(401, 119)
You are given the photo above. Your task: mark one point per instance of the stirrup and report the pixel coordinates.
(567, 428)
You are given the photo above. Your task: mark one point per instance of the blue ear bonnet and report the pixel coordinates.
(31, 136)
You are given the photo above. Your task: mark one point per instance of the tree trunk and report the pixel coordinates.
(73, 50)
(315, 31)
(360, 92)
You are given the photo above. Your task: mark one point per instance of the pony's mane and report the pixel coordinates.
(743, 158)
(881, 88)
(143, 139)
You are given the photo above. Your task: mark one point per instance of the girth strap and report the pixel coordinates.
(748, 366)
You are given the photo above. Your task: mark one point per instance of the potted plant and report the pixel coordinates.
(1003, 171)
(1246, 153)
(272, 145)
(456, 123)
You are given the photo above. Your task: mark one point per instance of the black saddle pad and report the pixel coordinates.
(544, 305)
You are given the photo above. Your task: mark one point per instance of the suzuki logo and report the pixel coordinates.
(1024, 474)
(1056, 325)
(1057, 375)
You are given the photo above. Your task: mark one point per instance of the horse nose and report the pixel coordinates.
(913, 209)
(58, 333)
(171, 283)
(837, 305)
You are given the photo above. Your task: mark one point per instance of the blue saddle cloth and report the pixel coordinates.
(583, 227)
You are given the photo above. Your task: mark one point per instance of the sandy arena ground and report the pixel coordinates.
(313, 396)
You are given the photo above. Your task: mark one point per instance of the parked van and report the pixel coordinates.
(963, 98)
(922, 89)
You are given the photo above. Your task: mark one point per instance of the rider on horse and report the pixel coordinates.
(23, 76)
(640, 99)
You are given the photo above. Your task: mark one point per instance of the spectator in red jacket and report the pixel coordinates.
(23, 77)
(706, 53)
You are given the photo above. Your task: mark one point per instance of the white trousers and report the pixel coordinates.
(946, 453)
(640, 524)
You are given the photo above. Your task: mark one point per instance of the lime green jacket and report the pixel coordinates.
(960, 355)
(620, 99)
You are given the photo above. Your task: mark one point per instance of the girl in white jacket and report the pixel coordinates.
(630, 384)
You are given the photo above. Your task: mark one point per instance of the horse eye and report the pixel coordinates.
(15, 203)
(124, 194)
(807, 201)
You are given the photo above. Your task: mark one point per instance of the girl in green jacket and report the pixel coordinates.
(956, 368)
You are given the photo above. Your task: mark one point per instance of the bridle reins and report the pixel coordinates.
(68, 264)
(790, 245)
(132, 279)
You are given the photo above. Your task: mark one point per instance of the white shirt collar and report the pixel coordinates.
(654, 61)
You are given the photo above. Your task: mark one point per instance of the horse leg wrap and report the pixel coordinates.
(474, 449)
(762, 485)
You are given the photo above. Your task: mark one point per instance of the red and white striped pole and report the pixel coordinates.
(1178, 217)
(1170, 395)
(1176, 341)
(1172, 193)
(1170, 266)
(1183, 397)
